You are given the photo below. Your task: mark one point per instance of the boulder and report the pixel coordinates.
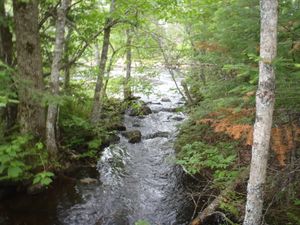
(118, 127)
(169, 109)
(113, 139)
(133, 136)
(165, 99)
(139, 108)
(162, 134)
(136, 124)
(177, 118)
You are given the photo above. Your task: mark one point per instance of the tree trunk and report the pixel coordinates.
(186, 90)
(265, 98)
(169, 67)
(95, 115)
(54, 84)
(127, 87)
(6, 55)
(109, 68)
(29, 78)
(67, 60)
(6, 43)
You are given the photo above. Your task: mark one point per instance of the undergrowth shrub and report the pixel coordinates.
(21, 158)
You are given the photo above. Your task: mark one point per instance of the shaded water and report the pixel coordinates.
(135, 181)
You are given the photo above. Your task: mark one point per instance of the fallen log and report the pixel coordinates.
(222, 197)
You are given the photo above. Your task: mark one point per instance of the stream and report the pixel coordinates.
(134, 181)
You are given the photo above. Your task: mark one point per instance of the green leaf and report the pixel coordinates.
(39, 146)
(14, 172)
(44, 178)
(2, 168)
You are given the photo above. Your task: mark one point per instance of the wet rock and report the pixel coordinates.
(165, 100)
(136, 125)
(177, 118)
(133, 136)
(113, 138)
(118, 127)
(162, 134)
(88, 180)
(110, 139)
(35, 189)
(169, 109)
(139, 108)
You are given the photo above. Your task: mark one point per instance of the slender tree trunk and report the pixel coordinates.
(6, 55)
(54, 84)
(265, 98)
(171, 71)
(67, 60)
(109, 67)
(103, 86)
(6, 38)
(29, 79)
(186, 91)
(95, 115)
(127, 87)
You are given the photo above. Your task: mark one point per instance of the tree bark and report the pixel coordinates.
(6, 55)
(95, 115)
(6, 43)
(54, 83)
(186, 91)
(127, 87)
(109, 67)
(29, 78)
(67, 60)
(265, 98)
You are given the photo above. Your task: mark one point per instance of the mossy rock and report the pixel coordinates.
(133, 136)
(138, 108)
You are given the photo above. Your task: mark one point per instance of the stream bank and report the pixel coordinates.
(131, 181)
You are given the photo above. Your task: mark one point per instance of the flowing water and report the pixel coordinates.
(135, 181)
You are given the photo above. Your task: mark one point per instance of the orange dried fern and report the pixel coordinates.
(282, 140)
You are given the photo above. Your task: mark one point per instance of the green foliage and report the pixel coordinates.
(6, 94)
(44, 178)
(12, 164)
(19, 157)
(294, 218)
(232, 204)
(94, 144)
(199, 156)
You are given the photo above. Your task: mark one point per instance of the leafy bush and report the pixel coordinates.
(198, 156)
(44, 178)
(21, 157)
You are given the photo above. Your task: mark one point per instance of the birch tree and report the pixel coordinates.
(265, 98)
(95, 115)
(127, 85)
(54, 84)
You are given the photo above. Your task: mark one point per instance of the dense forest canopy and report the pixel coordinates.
(69, 70)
